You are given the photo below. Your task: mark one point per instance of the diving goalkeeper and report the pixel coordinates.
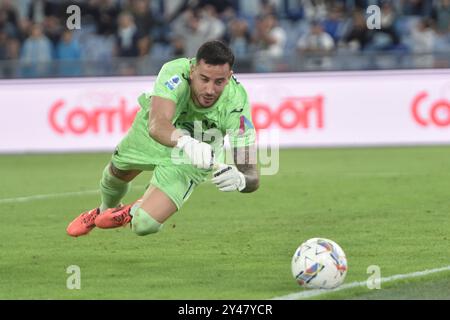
(178, 134)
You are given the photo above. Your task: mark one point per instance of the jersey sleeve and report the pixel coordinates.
(170, 82)
(239, 125)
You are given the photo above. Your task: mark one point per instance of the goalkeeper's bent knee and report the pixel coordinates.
(142, 223)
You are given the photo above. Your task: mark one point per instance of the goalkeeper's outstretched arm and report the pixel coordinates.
(245, 161)
(160, 122)
(163, 131)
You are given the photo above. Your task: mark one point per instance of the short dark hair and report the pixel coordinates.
(215, 52)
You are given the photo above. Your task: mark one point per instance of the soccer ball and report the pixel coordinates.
(319, 263)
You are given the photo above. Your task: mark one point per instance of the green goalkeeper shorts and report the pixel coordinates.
(137, 151)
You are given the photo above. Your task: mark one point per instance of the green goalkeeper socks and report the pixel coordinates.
(112, 190)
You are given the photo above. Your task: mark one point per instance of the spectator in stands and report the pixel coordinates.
(256, 8)
(127, 36)
(105, 14)
(12, 48)
(219, 5)
(423, 37)
(97, 52)
(195, 27)
(39, 9)
(317, 41)
(53, 29)
(9, 51)
(441, 16)
(145, 23)
(36, 52)
(189, 30)
(143, 17)
(315, 46)
(176, 8)
(269, 39)
(216, 27)
(3, 47)
(292, 10)
(358, 36)
(334, 24)
(228, 15)
(415, 7)
(239, 38)
(177, 47)
(314, 10)
(68, 48)
(69, 53)
(267, 7)
(9, 19)
(386, 37)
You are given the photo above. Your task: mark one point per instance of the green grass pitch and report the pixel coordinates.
(388, 207)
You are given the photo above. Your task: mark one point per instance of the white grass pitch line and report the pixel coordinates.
(317, 292)
(54, 195)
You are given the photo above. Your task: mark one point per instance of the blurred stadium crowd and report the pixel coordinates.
(135, 37)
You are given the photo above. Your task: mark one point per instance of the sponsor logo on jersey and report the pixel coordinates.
(173, 82)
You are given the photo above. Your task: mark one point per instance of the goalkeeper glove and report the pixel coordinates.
(200, 153)
(228, 178)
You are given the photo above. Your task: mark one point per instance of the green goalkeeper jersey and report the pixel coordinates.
(229, 115)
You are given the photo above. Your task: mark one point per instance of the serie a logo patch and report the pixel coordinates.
(173, 82)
